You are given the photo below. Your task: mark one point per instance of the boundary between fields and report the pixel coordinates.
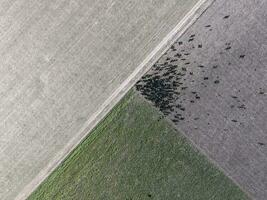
(117, 95)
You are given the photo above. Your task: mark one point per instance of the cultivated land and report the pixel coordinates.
(213, 84)
(134, 153)
(64, 64)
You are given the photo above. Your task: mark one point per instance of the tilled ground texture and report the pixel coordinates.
(212, 84)
(63, 65)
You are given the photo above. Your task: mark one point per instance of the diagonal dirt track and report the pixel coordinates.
(212, 83)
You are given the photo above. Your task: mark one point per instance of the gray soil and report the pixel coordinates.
(212, 83)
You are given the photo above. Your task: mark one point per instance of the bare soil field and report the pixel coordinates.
(64, 64)
(212, 83)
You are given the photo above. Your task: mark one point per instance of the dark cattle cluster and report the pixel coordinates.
(168, 84)
(165, 84)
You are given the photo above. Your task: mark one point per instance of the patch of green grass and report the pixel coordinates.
(135, 154)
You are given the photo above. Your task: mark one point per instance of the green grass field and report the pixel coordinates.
(135, 154)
